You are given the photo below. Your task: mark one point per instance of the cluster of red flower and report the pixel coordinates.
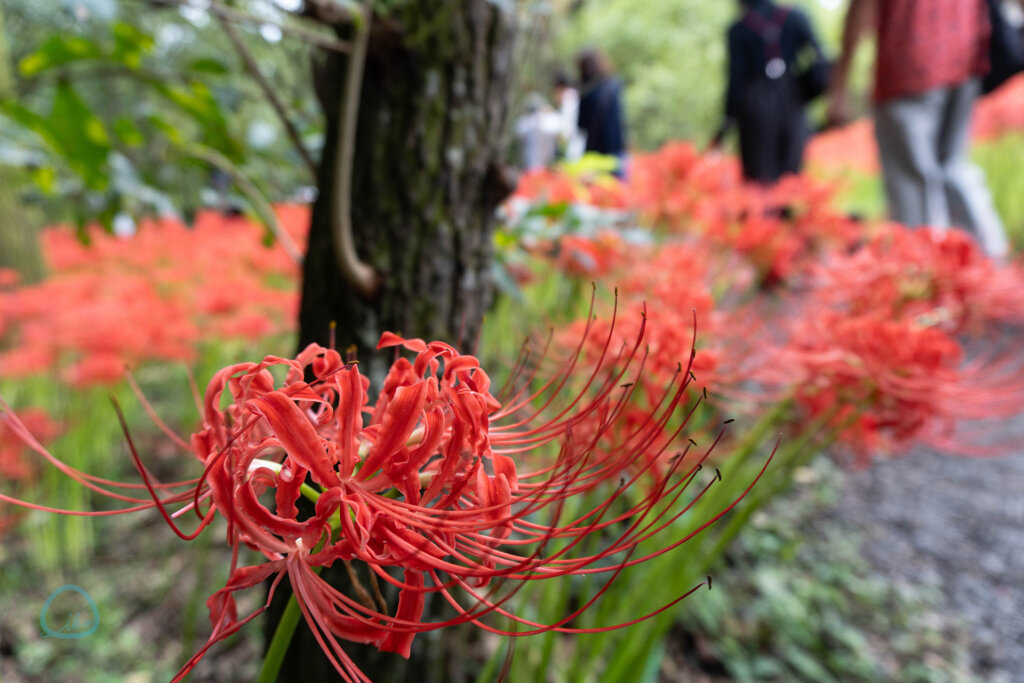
(125, 301)
(860, 332)
(779, 230)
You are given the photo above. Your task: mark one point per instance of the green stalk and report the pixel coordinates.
(289, 620)
(797, 454)
(282, 639)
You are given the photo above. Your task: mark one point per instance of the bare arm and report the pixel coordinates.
(861, 18)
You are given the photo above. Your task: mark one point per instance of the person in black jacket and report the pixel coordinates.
(768, 88)
(601, 117)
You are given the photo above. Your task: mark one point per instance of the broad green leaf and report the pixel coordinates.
(26, 118)
(57, 51)
(45, 178)
(72, 132)
(79, 137)
(591, 164)
(198, 102)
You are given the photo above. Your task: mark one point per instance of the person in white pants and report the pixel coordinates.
(931, 55)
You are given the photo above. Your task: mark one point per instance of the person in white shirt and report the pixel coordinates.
(567, 99)
(538, 131)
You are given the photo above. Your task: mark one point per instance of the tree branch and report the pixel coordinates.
(256, 198)
(363, 278)
(268, 91)
(312, 37)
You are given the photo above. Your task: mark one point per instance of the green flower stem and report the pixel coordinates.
(279, 645)
(737, 459)
(309, 492)
(797, 454)
(289, 620)
(282, 639)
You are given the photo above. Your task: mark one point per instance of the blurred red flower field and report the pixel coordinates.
(112, 301)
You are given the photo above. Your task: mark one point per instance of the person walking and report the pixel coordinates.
(767, 89)
(601, 118)
(931, 55)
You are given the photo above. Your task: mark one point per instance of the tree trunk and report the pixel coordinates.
(19, 244)
(427, 180)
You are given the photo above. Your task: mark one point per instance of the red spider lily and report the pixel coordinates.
(898, 381)
(555, 187)
(123, 301)
(437, 487)
(780, 230)
(9, 277)
(842, 150)
(590, 257)
(943, 278)
(678, 279)
(670, 184)
(13, 464)
(1001, 112)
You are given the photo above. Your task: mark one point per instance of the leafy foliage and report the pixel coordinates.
(133, 114)
(801, 604)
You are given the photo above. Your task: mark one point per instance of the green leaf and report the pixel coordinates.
(26, 118)
(45, 178)
(73, 133)
(172, 133)
(57, 51)
(131, 45)
(591, 164)
(209, 65)
(128, 132)
(79, 136)
(198, 102)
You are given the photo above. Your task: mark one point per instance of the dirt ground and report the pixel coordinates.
(956, 524)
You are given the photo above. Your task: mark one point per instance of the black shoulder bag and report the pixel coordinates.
(1005, 49)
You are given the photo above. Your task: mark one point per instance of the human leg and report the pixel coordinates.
(970, 202)
(907, 130)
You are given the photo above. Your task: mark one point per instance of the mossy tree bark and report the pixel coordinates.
(427, 181)
(19, 243)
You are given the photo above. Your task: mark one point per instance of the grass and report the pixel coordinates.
(800, 603)
(1001, 161)
(149, 586)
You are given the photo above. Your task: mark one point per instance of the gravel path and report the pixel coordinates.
(956, 524)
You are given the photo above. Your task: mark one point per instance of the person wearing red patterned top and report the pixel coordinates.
(931, 55)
